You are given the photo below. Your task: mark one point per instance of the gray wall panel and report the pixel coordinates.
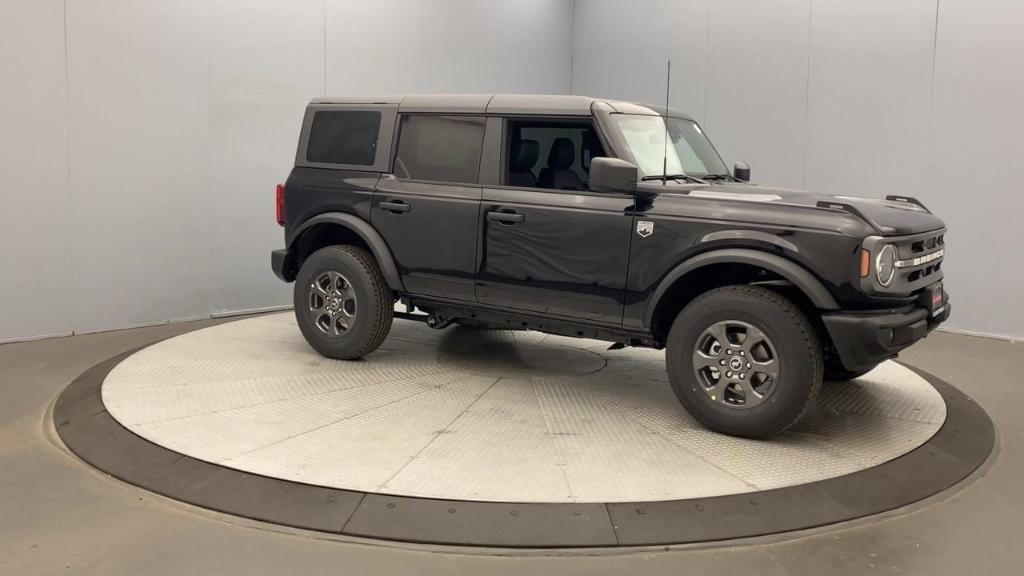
(460, 46)
(756, 85)
(976, 154)
(597, 47)
(675, 31)
(536, 46)
(401, 46)
(35, 246)
(870, 80)
(266, 63)
(373, 48)
(621, 49)
(139, 161)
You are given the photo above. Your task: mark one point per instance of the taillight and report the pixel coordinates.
(280, 204)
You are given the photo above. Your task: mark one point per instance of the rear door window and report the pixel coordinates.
(440, 148)
(346, 137)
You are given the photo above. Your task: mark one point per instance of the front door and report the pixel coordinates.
(428, 210)
(548, 245)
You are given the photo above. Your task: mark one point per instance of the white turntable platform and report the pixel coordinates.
(487, 415)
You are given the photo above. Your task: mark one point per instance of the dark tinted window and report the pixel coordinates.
(550, 154)
(343, 137)
(440, 148)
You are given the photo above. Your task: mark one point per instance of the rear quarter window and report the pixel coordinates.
(344, 137)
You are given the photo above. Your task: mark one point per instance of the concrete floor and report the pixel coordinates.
(57, 515)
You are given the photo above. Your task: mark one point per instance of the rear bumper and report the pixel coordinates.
(282, 262)
(862, 339)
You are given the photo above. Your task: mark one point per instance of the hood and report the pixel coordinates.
(891, 218)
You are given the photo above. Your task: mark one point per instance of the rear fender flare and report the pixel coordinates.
(367, 233)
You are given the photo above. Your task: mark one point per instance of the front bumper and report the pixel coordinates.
(282, 262)
(862, 340)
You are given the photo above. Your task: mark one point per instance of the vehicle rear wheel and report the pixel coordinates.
(343, 305)
(744, 361)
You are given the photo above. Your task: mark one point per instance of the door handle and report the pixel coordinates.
(505, 217)
(395, 207)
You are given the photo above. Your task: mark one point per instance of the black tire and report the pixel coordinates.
(793, 342)
(372, 305)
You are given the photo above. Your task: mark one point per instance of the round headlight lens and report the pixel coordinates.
(885, 265)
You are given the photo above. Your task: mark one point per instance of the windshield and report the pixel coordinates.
(689, 151)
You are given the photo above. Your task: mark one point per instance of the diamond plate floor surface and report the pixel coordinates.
(487, 415)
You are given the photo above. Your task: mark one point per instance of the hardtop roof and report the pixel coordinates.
(532, 104)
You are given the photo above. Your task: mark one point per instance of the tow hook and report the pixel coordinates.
(438, 322)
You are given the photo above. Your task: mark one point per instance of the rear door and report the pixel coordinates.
(428, 209)
(548, 244)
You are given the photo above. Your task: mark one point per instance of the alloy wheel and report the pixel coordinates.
(332, 304)
(736, 364)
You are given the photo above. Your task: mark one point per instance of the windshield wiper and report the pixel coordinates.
(664, 177)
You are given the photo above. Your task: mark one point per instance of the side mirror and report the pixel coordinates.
(613, 175)
(741, 171)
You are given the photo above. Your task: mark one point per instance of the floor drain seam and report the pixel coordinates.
(438, 434)
(332, 423)
(355, 510)
(554, 444)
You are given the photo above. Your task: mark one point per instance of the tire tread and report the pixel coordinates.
(381, 294)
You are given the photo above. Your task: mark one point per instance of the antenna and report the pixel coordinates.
(664, 161)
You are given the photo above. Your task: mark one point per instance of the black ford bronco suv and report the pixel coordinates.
(599, 219)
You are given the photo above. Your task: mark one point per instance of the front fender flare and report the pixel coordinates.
(791, 271)
(367, 233)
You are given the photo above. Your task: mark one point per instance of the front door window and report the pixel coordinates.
(550, 154)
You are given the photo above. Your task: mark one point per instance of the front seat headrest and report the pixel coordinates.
(562, 154)
(524, 155)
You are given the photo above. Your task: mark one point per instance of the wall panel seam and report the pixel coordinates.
(707, 60)
(807, 90)
(324, 22)
(210, 289)
(931, 92)
(67, 175)
(572, 49)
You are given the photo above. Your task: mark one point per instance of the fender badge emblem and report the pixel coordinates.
(644, 228)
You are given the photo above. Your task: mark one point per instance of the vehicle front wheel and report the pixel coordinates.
(744, 361)
(343, 305)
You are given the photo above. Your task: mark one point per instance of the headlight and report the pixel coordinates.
(885, 265)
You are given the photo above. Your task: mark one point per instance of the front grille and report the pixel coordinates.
(928, 244)
(919, 261)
